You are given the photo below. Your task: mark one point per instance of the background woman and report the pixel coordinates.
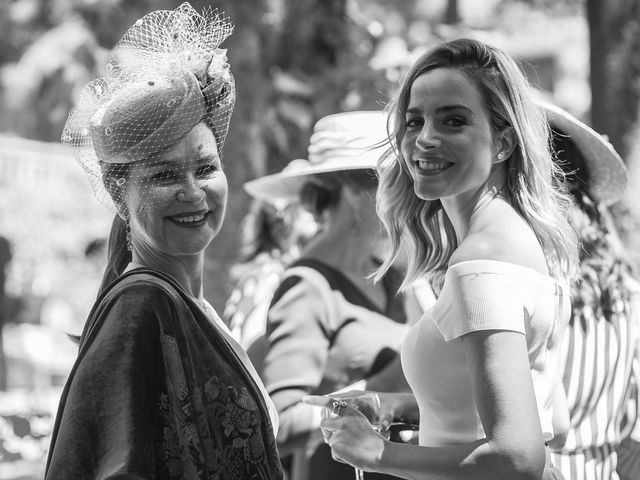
(329, 325)
(160, 389)
(272, 237)
(602, 341)
(471, 189)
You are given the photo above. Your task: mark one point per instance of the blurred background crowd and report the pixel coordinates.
(294, 61)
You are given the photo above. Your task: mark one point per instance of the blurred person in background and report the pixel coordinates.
(329, 326)
(470, 189)
(272, 235)
(160, 390)
(5, 258)
(602, 341)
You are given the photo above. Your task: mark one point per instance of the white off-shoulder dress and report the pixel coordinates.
(482, 295)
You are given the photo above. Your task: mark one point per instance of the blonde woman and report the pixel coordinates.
(472, 191)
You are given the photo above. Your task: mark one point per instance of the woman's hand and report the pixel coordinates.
(352, 438)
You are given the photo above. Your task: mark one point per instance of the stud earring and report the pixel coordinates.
(500, 155)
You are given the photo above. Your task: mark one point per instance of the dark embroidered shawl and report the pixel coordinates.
(157, 393)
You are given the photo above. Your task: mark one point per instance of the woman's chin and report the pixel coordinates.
(194, 243)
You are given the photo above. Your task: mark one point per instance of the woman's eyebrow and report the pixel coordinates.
(161, 163)
(442, 109)
(177, 162)
(448, 108)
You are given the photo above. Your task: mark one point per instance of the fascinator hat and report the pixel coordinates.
(339, 142)
(165, 75)
(597, 165)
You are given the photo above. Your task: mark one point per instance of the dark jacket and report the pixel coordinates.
(157, 393)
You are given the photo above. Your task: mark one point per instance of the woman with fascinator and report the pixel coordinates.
(160, 390)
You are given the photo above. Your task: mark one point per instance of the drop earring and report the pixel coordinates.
(128, 236)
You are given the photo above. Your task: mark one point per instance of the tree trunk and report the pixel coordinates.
(596, 11)
(614, 28)
(451, 15)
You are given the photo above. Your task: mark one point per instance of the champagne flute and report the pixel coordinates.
(367, 403)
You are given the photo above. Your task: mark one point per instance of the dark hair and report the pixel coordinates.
(118, 255)
(602, 289)
(324, 190)
(264, 229)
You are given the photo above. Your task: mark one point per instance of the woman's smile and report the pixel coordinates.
(190, 219)
(432, 167)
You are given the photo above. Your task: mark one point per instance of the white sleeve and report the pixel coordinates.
(476, 301)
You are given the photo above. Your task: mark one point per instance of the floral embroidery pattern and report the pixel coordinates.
(225, 443)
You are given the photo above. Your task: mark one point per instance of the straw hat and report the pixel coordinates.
(342, 141)
(606, 172)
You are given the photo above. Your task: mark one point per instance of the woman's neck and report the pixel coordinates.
(187, 270)
(463, 210)
(353, 257)
(346, 252)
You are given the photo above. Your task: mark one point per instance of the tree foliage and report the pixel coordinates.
(294, 61)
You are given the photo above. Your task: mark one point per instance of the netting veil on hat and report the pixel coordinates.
(165, 75)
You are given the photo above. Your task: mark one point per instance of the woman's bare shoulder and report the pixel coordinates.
(513, 242)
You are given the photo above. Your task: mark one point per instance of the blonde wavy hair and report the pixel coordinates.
(535, 183)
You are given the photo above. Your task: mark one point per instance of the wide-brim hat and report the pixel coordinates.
(340, 142)
(607, 174)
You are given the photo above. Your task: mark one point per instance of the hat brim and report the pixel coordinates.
(286, 184)
(606, 170)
